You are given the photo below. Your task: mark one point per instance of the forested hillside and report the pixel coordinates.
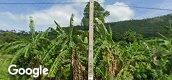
(150, 27)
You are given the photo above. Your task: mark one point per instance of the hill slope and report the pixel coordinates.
(148, 27)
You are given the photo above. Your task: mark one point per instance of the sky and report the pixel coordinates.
(16, 16)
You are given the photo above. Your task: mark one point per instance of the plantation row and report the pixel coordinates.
(64, 51)
(65, 55)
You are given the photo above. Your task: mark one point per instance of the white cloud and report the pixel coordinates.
(9, 21)
(119, 11)
(43, 18)
(60, 13)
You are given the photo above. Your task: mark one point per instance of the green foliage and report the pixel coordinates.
(99, 12)
(65, 54)
(131, 36)
(169, 29)
(147, 27)
(4, 61)
(8, 37)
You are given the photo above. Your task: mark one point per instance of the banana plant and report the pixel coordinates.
(67, 53)
(107, 61)
(29, 52)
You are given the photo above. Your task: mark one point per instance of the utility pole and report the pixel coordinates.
(91, 41)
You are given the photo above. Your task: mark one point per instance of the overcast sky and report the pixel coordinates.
(16, 17)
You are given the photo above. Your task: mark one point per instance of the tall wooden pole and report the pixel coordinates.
(91, 42)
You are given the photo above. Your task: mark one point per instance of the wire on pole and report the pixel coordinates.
(162, 9)
(41, 3)
(62, 3)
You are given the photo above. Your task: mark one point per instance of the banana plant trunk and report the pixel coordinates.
(77, 68)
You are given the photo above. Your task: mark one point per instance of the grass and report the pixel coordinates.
(4, 63)
(169, 77)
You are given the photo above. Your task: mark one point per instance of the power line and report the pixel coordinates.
(162, 9)
(43, 3)
(62, 3)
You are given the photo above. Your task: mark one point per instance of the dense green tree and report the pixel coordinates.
(8, 36)
(131, 36)
(99, 12)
